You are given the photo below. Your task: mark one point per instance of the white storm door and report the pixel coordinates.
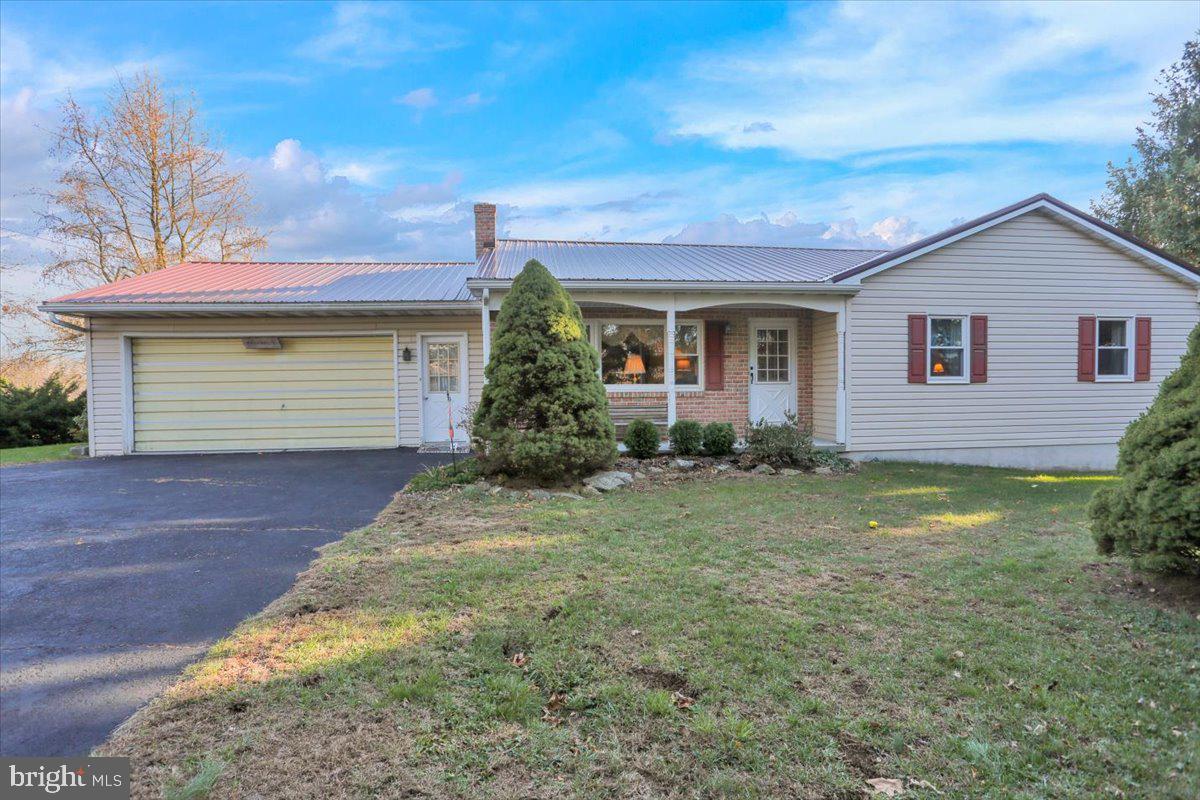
(443, 388)
(772, 370)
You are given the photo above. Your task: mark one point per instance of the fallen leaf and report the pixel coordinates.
(888, 787)
(682, 700)
(518, 660)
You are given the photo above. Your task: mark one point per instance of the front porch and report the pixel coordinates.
(733, 357)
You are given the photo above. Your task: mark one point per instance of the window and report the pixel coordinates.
(442, 367)
(631, 354)
(634, 353)
(947, 349)
(1112, 348)
(687, 354)
(772, 355)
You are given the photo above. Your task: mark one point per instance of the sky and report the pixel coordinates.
(366, 131)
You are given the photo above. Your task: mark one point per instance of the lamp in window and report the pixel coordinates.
(634, 365)
(938, 368)
(682, 362)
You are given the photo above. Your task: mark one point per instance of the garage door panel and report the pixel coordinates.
(215, 394)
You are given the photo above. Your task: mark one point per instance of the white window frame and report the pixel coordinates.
(1130, 349)
(593, 324)
(964, 321)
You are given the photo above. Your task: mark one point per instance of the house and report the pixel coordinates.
(1027, 337)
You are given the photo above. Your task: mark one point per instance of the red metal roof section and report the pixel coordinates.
(287, 282)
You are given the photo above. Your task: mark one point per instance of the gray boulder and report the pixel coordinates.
(683, 463)
(608, 481)
(763, 469)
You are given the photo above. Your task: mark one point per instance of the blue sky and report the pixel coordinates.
(367, 130)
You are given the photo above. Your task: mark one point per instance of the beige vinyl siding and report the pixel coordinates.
(108, 382)
(214, 394)
(824, 375)
(1033, 276)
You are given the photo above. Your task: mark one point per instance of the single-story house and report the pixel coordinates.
(1030, 336)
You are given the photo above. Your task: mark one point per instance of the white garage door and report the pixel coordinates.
(219, 395)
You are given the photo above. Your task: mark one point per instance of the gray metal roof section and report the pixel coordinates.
(287, 282)
(630, 261)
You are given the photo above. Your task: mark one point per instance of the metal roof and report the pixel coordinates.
(287, 282)
(631, 261)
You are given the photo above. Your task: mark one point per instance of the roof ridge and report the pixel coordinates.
(690, 244)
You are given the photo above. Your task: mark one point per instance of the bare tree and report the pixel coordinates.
(143, 187)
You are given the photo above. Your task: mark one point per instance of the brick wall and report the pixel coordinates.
(732, 404)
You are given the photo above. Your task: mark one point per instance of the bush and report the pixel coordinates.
(1153, 514)
(431, 479)
(39, 415)
(641, 439)
(687, 437)
(719, 438)
(544, 413)
(781, 444)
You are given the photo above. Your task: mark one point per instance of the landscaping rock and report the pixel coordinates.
(495, 490)
(639, 476)
(567, 496)
(824, 470)
(763, 469)
(789, 472)
(540, 494)
(590, 491)
(607, 481)
(79, 450)
(683, 463)
(655, 470)
(723, 467)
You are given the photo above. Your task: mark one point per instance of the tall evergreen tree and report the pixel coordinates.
(1156, 195)
(1153, 514)
(544, 412)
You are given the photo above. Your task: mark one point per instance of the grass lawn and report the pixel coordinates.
(34, 455)
(750, 636)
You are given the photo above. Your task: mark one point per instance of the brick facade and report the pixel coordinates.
(732, 404)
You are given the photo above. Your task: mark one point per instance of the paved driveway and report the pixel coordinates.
(115, 573)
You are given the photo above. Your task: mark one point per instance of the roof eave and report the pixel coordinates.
(116, 309)
(808, 287)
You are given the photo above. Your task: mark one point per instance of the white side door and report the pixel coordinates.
(772, 369)
(443, 388)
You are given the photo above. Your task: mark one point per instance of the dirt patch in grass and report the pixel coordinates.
(1168, 592)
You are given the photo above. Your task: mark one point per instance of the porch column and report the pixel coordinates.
(841, 372)
(669, 362)
(487, 329)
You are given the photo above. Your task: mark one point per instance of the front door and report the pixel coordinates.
(443, 388)
(772, 370)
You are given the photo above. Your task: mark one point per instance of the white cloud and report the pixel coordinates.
(373, 35)
(867, 77)
(787, 230)
(420, 99)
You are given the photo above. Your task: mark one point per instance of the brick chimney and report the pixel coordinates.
(485, 227)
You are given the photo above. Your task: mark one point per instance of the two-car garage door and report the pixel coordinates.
(284, 393)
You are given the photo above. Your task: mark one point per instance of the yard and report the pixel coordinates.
(746, 636)
(35, 455)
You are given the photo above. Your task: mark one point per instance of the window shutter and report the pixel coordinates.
(1087, 349)
(979, 349)
(714, 355)
(1141, 356)
(916, 348)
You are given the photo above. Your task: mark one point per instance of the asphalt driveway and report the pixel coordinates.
(115, 573)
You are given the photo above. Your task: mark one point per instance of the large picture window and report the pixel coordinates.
(634, 353)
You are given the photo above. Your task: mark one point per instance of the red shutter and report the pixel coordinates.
(1141, 356)
(979, 348)
(1087, 349)
(916, 348)
(714, 356)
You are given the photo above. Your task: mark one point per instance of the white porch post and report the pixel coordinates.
(841, 373)
(669, 362)
(487, 329)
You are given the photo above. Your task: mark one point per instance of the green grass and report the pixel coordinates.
(465, 470)
(744, 637)
(35, 455)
